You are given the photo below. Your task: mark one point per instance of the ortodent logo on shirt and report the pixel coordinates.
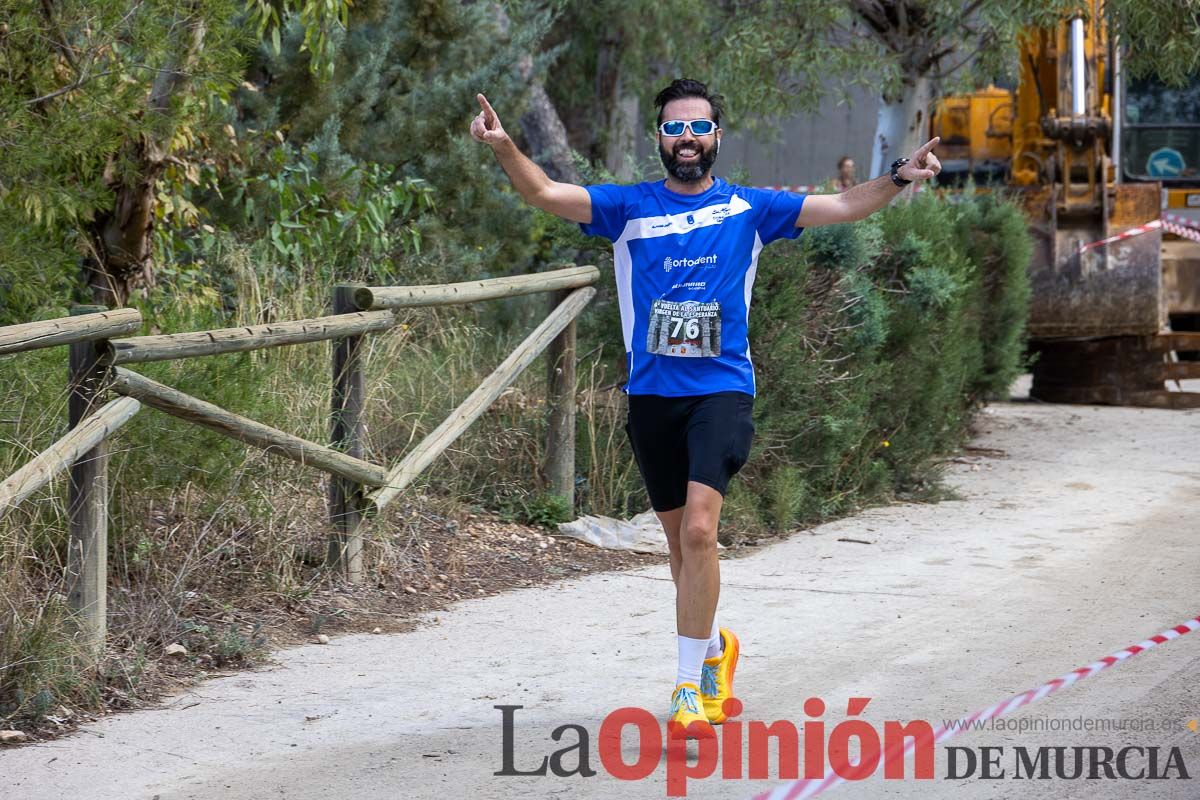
(703, 261)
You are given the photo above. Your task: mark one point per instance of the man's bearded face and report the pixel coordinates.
(688, 158)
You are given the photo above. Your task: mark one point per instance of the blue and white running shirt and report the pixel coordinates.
(685, 266)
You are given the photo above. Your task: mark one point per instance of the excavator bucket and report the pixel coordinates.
(1081, 289)
(1098, 312)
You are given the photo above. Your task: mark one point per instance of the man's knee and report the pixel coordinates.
(698, 536)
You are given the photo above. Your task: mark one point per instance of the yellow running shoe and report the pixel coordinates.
(716, 678)
(687, 714)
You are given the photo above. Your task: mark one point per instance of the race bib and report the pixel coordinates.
(690, 329)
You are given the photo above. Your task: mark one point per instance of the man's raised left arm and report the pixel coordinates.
(861, 201)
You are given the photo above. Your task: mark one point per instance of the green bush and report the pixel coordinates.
(873, 344)
(536, 508)
(997, 239)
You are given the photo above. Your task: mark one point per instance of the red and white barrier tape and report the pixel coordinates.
(811, 787)
(803, 188)
(1179, 219)
(1180, 230)
(1136, 231)
(1171, 223)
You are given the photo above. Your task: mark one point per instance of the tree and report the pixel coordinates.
(402, 92)
(965, 44)
(916, 49)
(1162, 37)
(102, 97)
(772, 58)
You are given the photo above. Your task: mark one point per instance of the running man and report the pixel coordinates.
(685, 251)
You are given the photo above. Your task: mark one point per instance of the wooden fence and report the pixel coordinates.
(358, 488)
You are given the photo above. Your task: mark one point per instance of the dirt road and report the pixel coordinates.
(1081, 538)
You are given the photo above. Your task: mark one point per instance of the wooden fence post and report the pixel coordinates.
(346, 497)
(560, 436)
(87, 503)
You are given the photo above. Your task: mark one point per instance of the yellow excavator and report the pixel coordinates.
(1102, 166)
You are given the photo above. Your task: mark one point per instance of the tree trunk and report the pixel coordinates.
(902, 124)
(544, 131)
(120, 239)
(605, 87)
(545, 134)
(622, 132)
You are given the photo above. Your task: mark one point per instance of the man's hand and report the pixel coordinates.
(859, 202)
(561, 199)
(922, 164)
(486, 126)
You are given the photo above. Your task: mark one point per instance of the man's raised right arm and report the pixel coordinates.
(565, 200)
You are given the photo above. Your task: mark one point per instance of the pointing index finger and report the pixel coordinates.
(925, 148)
(488, 111)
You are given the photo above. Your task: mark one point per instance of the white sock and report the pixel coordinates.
(691, 657)
(714, 640)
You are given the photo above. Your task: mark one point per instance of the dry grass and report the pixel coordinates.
(220, 547)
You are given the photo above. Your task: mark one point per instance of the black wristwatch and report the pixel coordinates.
(896, 165)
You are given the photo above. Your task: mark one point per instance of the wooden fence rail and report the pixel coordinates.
(357, 311)
(473, 407)
(65, 452)
(206, 415)
(172, 346)
(473, 291)
(68, 330)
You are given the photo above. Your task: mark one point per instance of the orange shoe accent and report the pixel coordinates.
(716, 678)
(687, 714)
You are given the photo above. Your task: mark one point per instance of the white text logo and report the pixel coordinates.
(675, 263)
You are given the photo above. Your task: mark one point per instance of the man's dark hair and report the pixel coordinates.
(843, 160)
(685, 87)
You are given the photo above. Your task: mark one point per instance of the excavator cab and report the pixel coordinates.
(1160, 144)
(1160, 134)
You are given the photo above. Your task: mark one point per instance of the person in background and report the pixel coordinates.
(845, 177)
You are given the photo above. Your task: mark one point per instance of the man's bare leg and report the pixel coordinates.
(698, 585)
(672, 521)
(692, 540)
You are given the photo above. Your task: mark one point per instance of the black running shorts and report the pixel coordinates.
(703, 438)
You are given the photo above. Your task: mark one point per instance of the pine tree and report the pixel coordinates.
(405, 75)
